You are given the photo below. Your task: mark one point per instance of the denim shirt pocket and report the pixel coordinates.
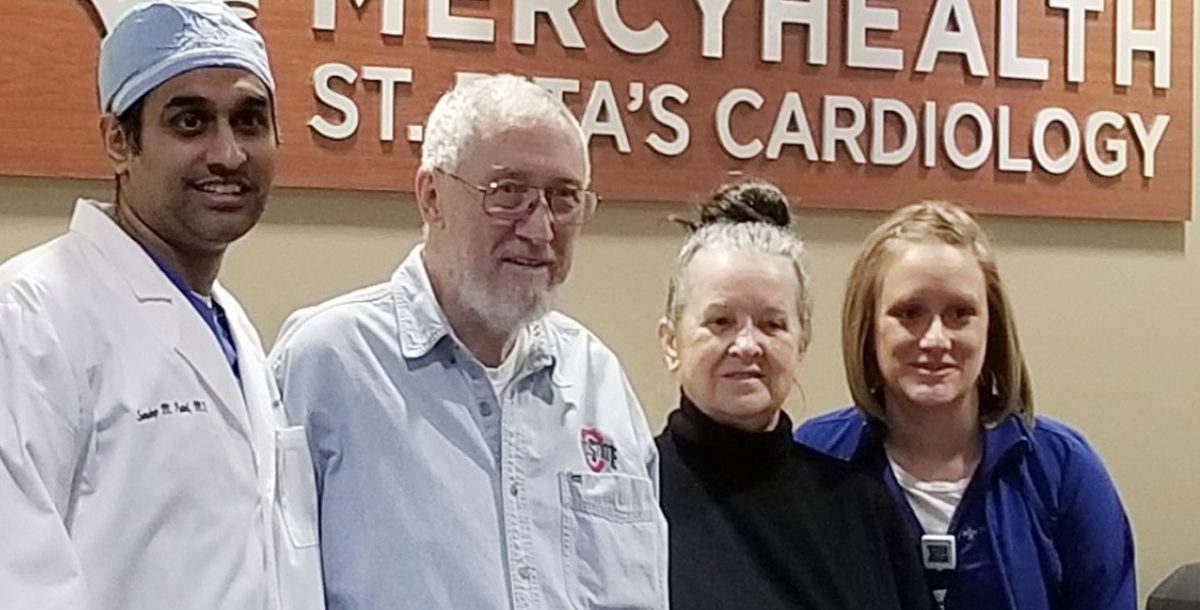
(613, 539)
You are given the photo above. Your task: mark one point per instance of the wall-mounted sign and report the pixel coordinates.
(1030, 107)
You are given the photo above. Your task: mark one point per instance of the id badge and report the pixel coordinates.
(939, 552)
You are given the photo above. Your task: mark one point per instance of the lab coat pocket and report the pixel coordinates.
(613, 539)
(297, 486)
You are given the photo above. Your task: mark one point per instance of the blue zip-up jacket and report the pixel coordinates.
(1040, 526)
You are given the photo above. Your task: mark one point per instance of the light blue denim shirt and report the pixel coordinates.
(436, 493)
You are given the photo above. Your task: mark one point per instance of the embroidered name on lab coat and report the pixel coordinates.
(172, 408)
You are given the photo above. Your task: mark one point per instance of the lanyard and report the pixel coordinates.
(213, 316)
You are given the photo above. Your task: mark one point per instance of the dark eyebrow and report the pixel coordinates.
(252, 102)
(255, 102)
(186, 101)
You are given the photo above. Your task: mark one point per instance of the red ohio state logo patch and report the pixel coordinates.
(598, 452)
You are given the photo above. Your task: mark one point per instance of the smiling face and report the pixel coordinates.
(504, 272)
(930, 327)
(201, 175)
(738, 340)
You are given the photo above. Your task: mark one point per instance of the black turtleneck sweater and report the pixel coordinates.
(759, 522)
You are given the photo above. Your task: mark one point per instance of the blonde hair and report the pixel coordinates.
(1004, 384)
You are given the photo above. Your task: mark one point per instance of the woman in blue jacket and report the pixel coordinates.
(1011, 511)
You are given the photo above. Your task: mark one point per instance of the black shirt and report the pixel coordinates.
(759, 522)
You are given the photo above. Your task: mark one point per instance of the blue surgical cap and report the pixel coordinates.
(158, 40)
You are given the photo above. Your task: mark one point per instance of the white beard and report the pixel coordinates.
(502, 307)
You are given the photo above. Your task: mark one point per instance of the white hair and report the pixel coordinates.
(744, 237)
(490, 103)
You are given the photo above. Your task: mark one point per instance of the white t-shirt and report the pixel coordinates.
(506, 371)
(933, 502)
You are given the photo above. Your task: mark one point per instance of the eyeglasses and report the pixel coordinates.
(512, 201)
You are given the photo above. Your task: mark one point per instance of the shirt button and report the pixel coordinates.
(485, 409)
(514, 490)
(525, 572)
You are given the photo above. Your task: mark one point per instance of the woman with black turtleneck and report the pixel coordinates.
(757, 521)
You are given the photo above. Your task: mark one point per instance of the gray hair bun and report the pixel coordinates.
(745, 201)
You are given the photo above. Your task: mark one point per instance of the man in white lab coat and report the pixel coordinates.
(145, 462)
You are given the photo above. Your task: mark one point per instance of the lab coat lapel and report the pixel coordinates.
(199, 347)
(262, 397)
(167, 313)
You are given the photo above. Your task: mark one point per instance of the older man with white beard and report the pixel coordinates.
(473, 448)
